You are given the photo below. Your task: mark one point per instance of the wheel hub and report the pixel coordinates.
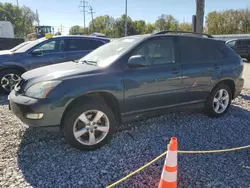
(92, 128)
(221, 101)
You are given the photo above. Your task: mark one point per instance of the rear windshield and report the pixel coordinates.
(108, 53)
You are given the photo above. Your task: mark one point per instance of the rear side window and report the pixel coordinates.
(195, 50)
(82, 44)
(93, 44)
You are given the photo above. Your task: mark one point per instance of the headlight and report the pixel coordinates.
(41, 89)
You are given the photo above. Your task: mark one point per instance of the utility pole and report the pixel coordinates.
(83, 6)
(126, 19)
(61, 27)
(200, 6)
(91, 12)
(17, 3)
(37, 18)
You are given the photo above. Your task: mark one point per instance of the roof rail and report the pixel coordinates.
(169, 31)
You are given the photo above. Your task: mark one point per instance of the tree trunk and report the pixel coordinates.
(200, 6)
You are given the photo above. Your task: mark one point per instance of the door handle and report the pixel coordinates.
(175, 71)
(216, 66)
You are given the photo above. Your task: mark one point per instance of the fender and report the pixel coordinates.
(221, 80)
(12, 65)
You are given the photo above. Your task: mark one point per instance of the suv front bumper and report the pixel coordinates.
(40, 113)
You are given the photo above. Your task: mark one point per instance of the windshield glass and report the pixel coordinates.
(108, 53)
(30, 45)
(19, 46)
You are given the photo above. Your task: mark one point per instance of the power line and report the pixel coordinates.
(61, 28)
(83, 6)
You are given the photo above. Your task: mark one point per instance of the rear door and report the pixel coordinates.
(158, 84)
(79, 47)
(52, 53)
(200, 68)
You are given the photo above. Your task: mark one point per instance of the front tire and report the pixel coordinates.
(89, 126)
(219, 101)
(8, 79)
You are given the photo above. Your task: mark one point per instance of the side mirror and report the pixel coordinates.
(136, 61)
(37, 52)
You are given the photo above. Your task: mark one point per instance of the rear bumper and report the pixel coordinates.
(51, 115)
(238, 87)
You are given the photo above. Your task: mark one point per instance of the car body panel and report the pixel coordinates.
(27, 62)
(139, 92)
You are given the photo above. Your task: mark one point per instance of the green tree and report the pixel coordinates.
(228, 22)
(119, 29)
(150, 28)
(139, 27)
(22, 18)
(76, 30)
(166, 22)
(185, 26)
(102, 24)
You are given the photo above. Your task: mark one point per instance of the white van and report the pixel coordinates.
(6, 29)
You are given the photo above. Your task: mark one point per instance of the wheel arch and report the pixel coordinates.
(19, 68)
(100, 96)
(229, 82)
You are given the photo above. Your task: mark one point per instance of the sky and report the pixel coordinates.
(68, 13)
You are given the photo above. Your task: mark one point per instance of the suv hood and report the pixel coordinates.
(58, 71)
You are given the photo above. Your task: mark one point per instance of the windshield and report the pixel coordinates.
(30, 44)
(108, 53)
(19, 46)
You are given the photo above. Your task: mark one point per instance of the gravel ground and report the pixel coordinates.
(32, 158)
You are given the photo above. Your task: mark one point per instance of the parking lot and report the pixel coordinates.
(39, 159)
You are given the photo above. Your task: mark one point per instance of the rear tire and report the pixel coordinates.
(8, 79)
(219, 101)
(73, 125)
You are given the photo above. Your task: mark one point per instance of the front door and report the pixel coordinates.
(52, 52)
(158, 84)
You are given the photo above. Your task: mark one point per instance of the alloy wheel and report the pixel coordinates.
(221, 101)
(91, 127)
(9, 81)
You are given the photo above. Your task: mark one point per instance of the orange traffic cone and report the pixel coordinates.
(169, 172)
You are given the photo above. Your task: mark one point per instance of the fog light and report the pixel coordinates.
(34, 116)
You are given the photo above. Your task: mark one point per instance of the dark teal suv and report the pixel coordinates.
(128, 79)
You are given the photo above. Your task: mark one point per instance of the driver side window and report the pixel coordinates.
(52, 46)
(157, 51)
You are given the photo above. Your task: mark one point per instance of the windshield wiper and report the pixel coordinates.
(89, 62)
